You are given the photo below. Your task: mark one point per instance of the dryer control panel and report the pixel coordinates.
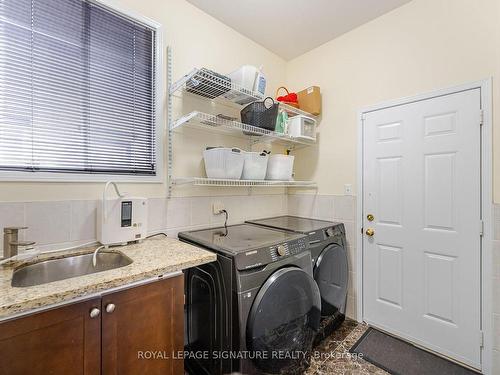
(318, 236)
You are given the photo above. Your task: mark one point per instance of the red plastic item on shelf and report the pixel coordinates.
(290, 98)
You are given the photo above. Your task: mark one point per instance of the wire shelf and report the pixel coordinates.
(225, 125)
(210, 85)
(201, 181)
(219, 89)
(292, 111)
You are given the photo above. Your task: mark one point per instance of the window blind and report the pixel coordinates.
(77, 89)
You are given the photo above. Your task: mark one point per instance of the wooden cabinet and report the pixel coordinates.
(144, 330)
(131, 331)
(65, 340)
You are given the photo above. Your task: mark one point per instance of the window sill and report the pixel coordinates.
(76, 178)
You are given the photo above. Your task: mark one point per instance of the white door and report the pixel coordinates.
(421, 183)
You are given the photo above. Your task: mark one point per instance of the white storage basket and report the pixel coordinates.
(280, 167)
(224, 163)
(255, 166)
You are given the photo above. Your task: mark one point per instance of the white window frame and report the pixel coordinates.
(19, 176)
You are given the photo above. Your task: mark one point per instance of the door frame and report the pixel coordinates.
(485, 87)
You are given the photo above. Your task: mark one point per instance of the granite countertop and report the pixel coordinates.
(153, 257)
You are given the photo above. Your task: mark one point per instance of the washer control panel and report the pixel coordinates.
(287, 249)
(281, 250)
(265, 255)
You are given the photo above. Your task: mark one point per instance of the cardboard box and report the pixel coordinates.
(310, 100)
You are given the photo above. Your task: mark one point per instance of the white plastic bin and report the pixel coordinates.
(250, 78)
(302, 127)
(255, 166)
(280, 167)
(224, 163)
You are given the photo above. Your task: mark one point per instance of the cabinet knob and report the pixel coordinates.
(94, 313)
(110, 307)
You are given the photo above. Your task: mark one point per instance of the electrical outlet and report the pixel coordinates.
(217, 207)
(347, 189)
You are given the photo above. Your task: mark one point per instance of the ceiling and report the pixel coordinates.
(290, 28)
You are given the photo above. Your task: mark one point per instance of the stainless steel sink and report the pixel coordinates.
(67, 267)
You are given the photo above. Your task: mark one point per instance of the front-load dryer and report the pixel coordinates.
(257, 308)
(327, 243)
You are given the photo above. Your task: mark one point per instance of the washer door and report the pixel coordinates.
(283, 320)
(331, 273)
(206, 316)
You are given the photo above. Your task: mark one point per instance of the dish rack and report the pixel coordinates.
(213, 87)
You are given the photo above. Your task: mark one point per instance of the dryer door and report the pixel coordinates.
(331, 273)
(283, 321)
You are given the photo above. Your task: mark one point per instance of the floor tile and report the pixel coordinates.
(332, 355)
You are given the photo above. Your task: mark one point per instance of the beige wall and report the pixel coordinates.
(422, 46)
(198, 40)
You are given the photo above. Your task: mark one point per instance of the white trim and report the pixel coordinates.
(486, 206)
(119, 8)
(6, 176)
(114, 6)
(487, 217)
(359, 222)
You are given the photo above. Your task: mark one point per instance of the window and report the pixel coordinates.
(78, 89)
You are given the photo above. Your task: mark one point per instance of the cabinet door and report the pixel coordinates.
(61, 341)
(142, 328)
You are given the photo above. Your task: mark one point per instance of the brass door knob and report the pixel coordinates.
(370, 217)
(370, 232)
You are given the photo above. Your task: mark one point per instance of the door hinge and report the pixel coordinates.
(481, 228)
(481, 339)
(481, 117)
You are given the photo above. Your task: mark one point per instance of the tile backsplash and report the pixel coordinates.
(59, 224)
(53, 224)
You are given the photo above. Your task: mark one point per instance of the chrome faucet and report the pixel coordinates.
(11, 241)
